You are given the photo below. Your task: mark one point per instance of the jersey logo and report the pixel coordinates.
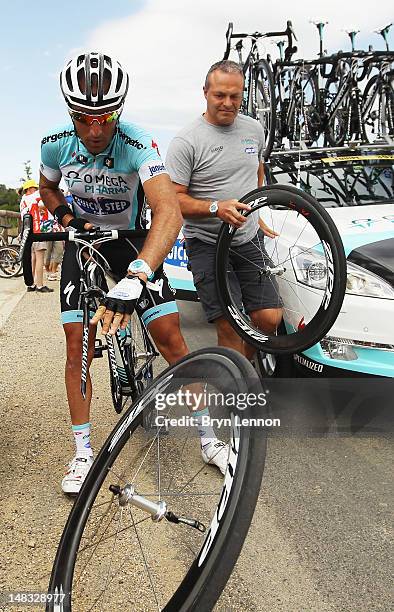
(68, 289)
(71, 178)
(144, 303)
(109, 162)
(154, 146)
(81, 159)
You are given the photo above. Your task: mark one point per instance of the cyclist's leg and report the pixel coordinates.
(72, 324)
(79, 407)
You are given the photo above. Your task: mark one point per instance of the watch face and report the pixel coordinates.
(137, 265)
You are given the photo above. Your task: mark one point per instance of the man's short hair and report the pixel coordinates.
(224, 66)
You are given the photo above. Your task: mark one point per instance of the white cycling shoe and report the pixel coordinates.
(216, 453)
(76, 473)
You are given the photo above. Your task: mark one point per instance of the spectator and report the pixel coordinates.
(31, 204)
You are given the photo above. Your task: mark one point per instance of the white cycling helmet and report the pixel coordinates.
(94, 82)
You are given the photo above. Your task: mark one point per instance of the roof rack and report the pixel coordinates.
(350, 147)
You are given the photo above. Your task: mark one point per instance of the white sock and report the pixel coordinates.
(206, 432)
(82, 440)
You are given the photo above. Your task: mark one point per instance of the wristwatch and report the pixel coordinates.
(139, 265)
(213, 208)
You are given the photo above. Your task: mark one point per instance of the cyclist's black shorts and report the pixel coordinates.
(156, 301)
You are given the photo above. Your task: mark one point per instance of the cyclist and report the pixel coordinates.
(110, 167)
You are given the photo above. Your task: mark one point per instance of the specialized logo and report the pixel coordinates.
(56, 137)
(84, 365)
(316, 367)
(156, 286)
(67, 291)
(101, 206)
(130, 141)
(158, 387)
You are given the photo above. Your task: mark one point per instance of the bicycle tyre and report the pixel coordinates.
(217, 553)
(377, 130)
(304, 207)
(265, 103)
(10, 266)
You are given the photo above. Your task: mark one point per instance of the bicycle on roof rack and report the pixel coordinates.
(259, 94)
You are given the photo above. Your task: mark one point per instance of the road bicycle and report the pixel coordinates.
(378, 99)
(259, 94)
(307, 258)
(130, 352)
(9, 256)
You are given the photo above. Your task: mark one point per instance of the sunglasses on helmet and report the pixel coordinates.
(90, 119)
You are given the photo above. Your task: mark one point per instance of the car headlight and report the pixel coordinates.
(362, 282)
(309, 267)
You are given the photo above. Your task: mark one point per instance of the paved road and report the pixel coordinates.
(320, 538)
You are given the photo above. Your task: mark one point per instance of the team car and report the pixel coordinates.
(356, 186)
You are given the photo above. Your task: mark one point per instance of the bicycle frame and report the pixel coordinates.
(93, 269)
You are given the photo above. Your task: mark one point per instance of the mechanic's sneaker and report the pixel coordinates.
(216, 453)
(31, 288)
(44, 289)
(76, 473)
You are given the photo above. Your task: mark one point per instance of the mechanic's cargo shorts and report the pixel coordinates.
(250, 291)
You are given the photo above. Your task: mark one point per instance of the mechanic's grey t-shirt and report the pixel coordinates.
(217, 163)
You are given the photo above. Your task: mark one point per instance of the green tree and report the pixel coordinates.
(9, 199)
(28, 171)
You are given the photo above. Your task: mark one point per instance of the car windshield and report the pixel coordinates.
(338, 181)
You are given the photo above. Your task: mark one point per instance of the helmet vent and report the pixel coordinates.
(119, 81)
(69, 80)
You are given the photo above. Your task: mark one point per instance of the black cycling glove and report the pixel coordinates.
(123, 297)
(78, 223)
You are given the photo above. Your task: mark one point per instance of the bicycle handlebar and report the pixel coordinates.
(28, 237)
(289, 32)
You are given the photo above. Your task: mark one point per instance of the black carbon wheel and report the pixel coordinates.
(302, 271)
(112, 556)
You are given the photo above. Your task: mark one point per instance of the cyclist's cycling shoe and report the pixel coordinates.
(76, 473)
(216, 453)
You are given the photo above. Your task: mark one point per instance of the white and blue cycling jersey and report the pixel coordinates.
(107, 187)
